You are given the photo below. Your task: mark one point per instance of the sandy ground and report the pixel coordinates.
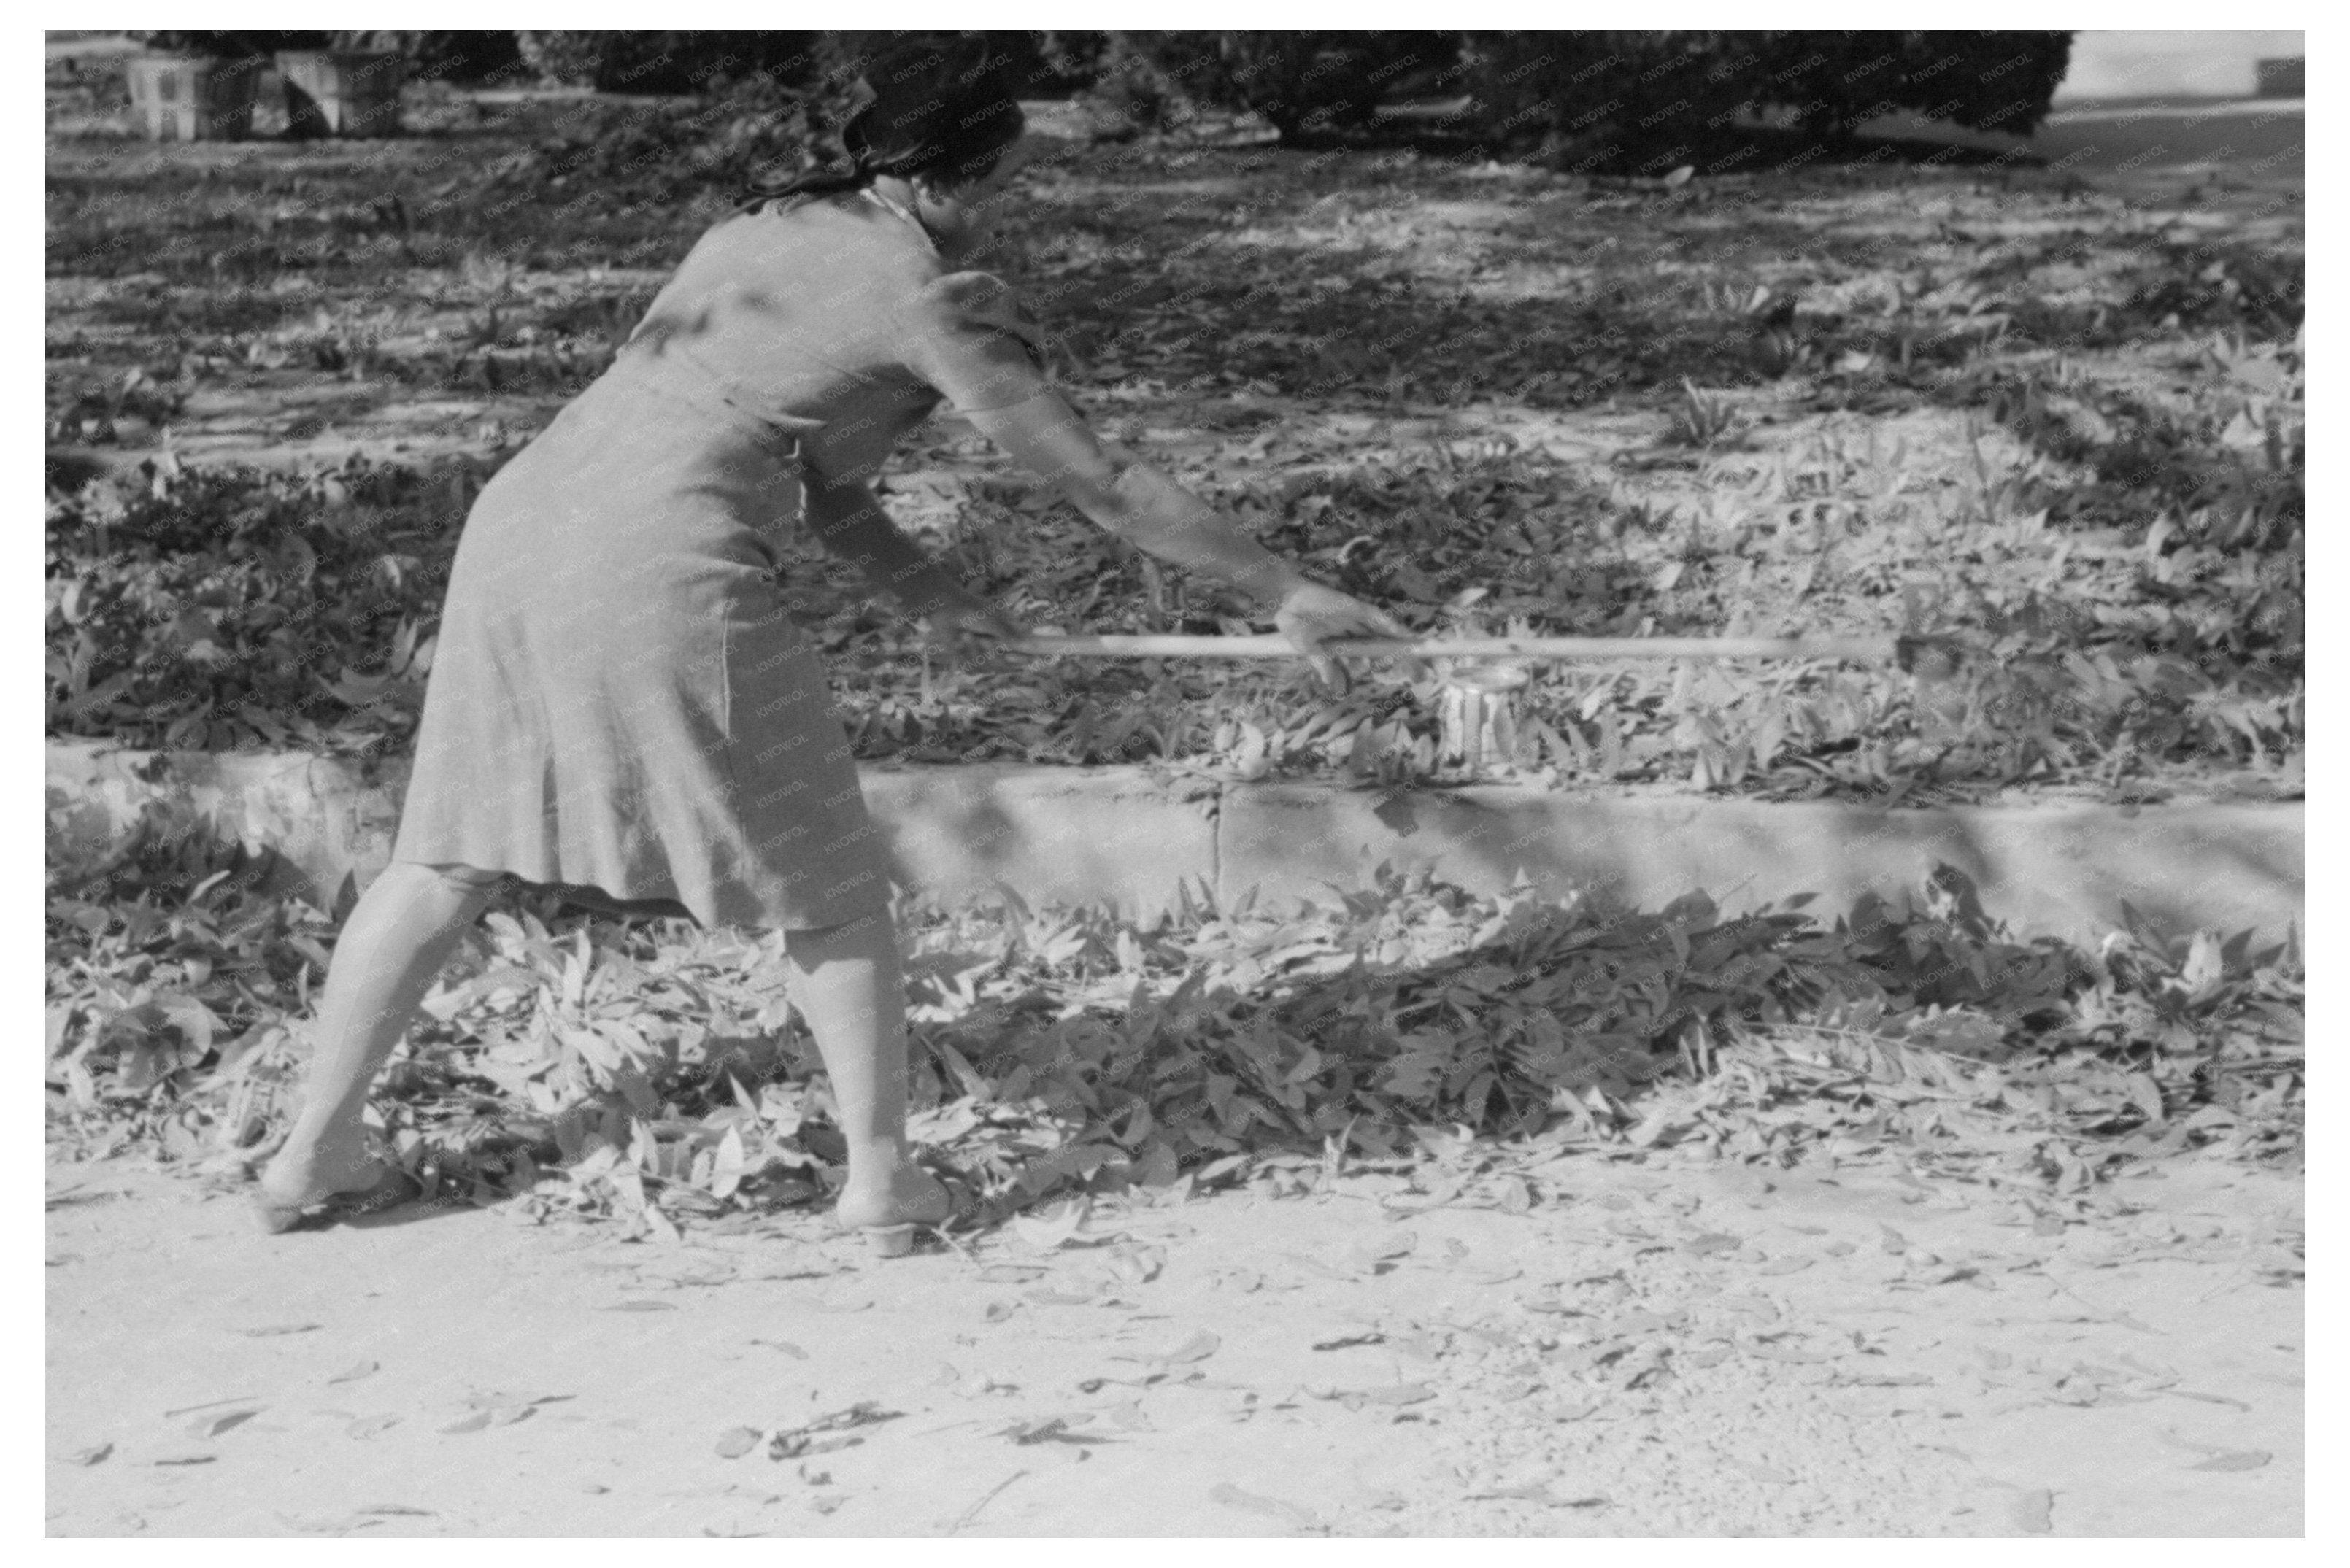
(1651, 1347)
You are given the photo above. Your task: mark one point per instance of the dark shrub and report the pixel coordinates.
(1604, 94)
(666, 62)
(674, 62)
(220, 46)
(1304, 83)
(470, 55)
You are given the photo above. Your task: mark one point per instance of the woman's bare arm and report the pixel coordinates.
(1140, 503)
(847, 521)
(1132, 499)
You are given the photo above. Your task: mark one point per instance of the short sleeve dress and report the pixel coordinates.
(621, 705)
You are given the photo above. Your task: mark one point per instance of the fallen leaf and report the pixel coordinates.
(641, 1304)
(1058, 1298)
(821, 1445)
(786, 1345)
(271, 1331)
(184, 1459)
(1348, 1341)
(1138, 1265)
(2237, 1459)
(1010, 1274)
(1048, 1429)
(990, 1495)
(368, 1427)
(1395, 1244)
(795, 1442)
(1399, 1394)
(1044, 1232)
(998, 1311)
(738, 1442)
(364, 1369)
(1199, 1348)
(2030, 1511)
(1783, 1266)
(397, 1509)
(342, 1524)
(1096, 1385)
(213, 1426)
(2209, 1398)
(463, 1424)
(497, 1400)
(96, 1454)
(1232, 1496)
(1712, 1241)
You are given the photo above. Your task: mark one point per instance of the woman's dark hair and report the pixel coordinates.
(947, 110)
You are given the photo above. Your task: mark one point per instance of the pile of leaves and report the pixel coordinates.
(660, 1068)
(203, 608)
(1375, 280)
(233, 610)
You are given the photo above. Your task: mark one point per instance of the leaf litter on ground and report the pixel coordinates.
(1920, 1037)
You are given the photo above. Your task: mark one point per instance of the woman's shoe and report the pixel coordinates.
(394, 1187)
(899, 1239)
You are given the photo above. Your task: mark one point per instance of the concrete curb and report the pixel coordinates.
(1056, 834)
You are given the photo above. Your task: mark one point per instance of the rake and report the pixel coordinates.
(1479, 717)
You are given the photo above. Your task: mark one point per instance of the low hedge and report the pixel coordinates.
(1598, 94)
(1606, 93)
(1593, 93)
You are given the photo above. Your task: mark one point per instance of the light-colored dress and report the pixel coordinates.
(621, 705)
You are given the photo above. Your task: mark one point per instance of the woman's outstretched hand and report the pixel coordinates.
(1311, 615)
(959, 615)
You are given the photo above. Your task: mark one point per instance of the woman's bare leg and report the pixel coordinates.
(391, 948)
(847, 984)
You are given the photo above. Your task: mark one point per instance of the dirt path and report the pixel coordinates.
(1652, 1347)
